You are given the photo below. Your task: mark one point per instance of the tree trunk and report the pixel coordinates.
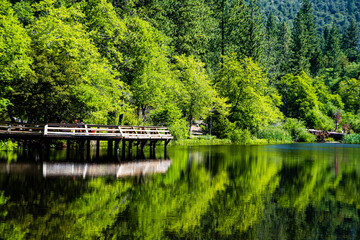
(222, 32)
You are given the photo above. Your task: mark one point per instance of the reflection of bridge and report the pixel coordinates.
(87, 169)
(138, 135)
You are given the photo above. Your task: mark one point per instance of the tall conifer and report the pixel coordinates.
(350, 41)
(303, 39)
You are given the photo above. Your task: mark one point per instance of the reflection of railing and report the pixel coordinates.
(87, 169)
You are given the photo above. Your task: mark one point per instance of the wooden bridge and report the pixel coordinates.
(326, 134)
(138, 135)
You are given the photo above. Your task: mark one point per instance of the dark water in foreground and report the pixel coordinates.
(297, 191)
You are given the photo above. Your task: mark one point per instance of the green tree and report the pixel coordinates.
(106, 29)
(349, 91)
(199, 97)
(350, 41)
(283, 48)
(254, 33)
(146, 68)
(70, 79)
(332, 50)
(187, 23)
(15, 57)
(300, 100)
(254, 103)
(303, 40)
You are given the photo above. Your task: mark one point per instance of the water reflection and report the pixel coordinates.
(299, 191)
(84, 170)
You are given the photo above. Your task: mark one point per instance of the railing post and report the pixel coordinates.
(121, 133)
(45, 129)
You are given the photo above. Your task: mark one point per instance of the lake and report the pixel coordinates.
(291, 191)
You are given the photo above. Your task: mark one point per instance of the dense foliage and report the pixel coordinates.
(241, 66)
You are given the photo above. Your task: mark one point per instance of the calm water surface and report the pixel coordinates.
(295, 191)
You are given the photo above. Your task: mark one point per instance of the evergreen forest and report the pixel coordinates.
(248, 69)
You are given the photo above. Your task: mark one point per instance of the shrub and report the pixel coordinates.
(351, 120)
(221, 126)
(275, 133)
(352, 138)
(318, 120)
(179, 129)
(240, 136)
(298, 130)
(165, 114)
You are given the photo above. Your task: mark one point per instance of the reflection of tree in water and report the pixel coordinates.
(250, 194)
(61, 207)
(328, 219)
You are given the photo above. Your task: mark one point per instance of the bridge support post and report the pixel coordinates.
(153, 149)
(25, 147)
(123, 149)
(82, 144)
(116, 148)
(97, 149)
(143, 143)
(166, 142)
(110, 147)
(88, 149)
(138, 148)
(68, 149)
(46, 149)
(130, 148)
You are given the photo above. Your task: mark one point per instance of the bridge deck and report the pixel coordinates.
(86, 132)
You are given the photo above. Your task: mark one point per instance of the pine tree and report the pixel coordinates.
(332, 50)
(282, 47)
(228, 36)
(350, 41)
(303, 39)
(270, 48)
(252, 46)
(271, 26)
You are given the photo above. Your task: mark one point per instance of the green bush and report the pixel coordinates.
(165, 114)
(298, 130)
(351, 120)
(240, 136)
(275, 133)
(221, 126)
(179, 129)
(318, 120)
(352, 138)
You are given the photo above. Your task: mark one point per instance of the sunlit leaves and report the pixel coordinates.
(253, 102)
(14, 53)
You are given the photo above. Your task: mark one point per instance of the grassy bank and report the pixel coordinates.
(212, 140)
(201, 140)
